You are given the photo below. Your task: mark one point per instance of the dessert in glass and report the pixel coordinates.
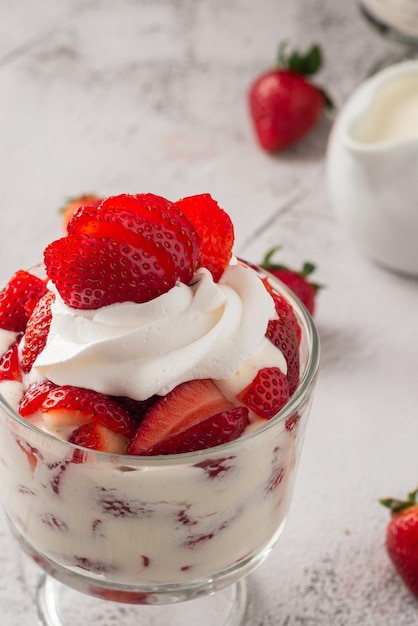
(154, 393)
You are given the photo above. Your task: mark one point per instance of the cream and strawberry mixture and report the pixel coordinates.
(147, 338)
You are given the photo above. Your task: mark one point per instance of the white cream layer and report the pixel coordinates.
(205, 330)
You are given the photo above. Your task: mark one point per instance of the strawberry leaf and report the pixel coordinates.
(396, 506)
(304, 64)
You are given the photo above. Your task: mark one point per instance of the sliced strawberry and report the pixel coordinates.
(215, 229)
(68, 406)
(29, 306)
(282, 334)
(73, 204)
(149, 216)
(97, 437)
(36, 332)
(213, 431)
(34, 397)
(91, 272)
(186, 405)
(22, 287)
(267, 393)
(115, 223)
(283, 308)
(9, 364)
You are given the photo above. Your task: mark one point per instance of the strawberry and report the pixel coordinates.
(267, 393)
(68, 406)
(402, 538)
(34, 397)
(129, 248)
(283, 308)
(91, 272)
(124, 217)
(213, 431)
(186, 405)
(97, 437)
(36, 332)
(68, 210)
(9, 364)
(282, 334)
(215, 229)
(21, 288)
(297, 281)
(284, 105)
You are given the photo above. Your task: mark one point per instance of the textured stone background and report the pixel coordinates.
(150, 96)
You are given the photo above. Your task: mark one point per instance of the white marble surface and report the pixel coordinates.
(149, 95)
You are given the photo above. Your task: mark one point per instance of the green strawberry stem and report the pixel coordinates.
(396, 506)
(306, 64)
(267, 263)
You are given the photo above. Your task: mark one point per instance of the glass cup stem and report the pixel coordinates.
(59, 605)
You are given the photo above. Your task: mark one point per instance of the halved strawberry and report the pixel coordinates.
(150, 216)
(29, 306)
(215, 229)
(282, 334)
(124, 226)
(73, 204)
(34, 397)
(97, 437)
(91, 272)
(283, 308)
(267, 393)
(213, 431)
(36, 332)
(22, 287)
(186, 405)
(68, 406)
(9, 364)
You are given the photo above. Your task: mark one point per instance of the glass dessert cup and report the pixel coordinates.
(133, 531)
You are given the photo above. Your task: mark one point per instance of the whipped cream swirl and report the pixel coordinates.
(204, 330)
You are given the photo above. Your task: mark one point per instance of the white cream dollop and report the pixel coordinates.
(205, 330)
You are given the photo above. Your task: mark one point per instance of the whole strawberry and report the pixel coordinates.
(402, 538)
(284, 105)
(297, 281)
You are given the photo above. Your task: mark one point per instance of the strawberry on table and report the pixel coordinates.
(284, 105)
(402, 538)
(297, 281)
(23, 287)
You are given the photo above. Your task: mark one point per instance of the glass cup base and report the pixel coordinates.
(59, 605)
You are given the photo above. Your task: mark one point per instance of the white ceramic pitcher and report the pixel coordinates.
(372, 167)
